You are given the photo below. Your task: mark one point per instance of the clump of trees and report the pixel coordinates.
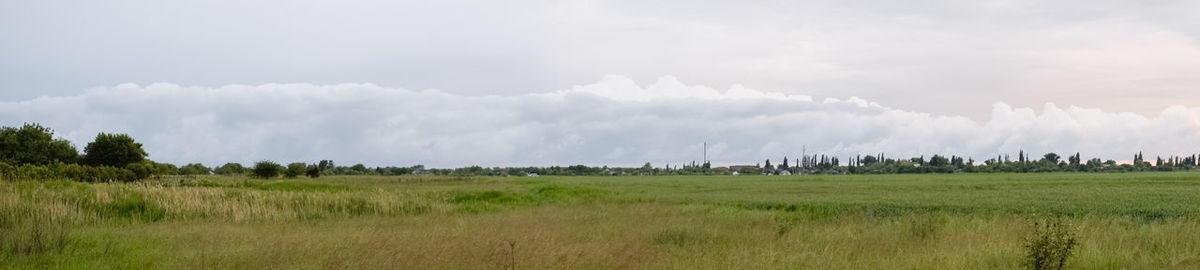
(32, 152)
(34, 144)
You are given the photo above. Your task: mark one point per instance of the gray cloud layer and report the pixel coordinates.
(941, 57)
(613, 122)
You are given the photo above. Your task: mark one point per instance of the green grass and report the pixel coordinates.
(961, 221)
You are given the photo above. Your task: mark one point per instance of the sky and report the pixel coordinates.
(510, 83)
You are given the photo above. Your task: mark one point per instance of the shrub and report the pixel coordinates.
(142, 170)
(97, 174)
(230, 169)
(67, 171)
(1049, 245)
(295, 170)
(162, 168)
(267, 169)
(194, 169)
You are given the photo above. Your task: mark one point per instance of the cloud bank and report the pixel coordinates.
(1121, 55)
(614, 121)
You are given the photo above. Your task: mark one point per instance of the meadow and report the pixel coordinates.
(938, 221)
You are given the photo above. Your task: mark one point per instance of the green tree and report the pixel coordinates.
(938, 161)
(34, 144)
(1051, 158)
(325, 165)
(295, 170)
(267, 169)
(313, 171)
(115, 150)
(867, 160)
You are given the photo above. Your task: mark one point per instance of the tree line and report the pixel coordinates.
(32, 152)
(1023, 163)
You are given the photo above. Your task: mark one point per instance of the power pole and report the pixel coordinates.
(706, 152)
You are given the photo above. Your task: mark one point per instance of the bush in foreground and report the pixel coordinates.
(1049, 245)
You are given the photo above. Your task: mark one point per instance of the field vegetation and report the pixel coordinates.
(941, 221)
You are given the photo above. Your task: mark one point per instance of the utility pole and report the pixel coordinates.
(705, 152)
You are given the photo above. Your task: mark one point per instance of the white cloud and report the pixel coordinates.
(612, 122)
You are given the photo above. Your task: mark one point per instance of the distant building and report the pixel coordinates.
(531, 174)
(785, 172)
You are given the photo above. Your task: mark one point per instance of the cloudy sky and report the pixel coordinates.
(453, 83)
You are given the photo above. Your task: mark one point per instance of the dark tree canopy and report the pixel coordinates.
(1051, 158)
(116, 150)
(267, 169)
(313, 171)
(34, 144)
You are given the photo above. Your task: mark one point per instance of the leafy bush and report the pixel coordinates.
(1049, 245)
(68, 171)
(295, 170)
(97, 174)
(142, 170)
(267, 169)
(162, 168)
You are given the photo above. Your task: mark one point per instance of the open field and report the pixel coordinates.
(958, 221)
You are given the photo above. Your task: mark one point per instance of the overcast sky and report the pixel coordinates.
(451, 83)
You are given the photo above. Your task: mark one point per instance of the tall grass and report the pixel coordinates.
(815, 222)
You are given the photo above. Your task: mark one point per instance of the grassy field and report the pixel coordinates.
(962, 221)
